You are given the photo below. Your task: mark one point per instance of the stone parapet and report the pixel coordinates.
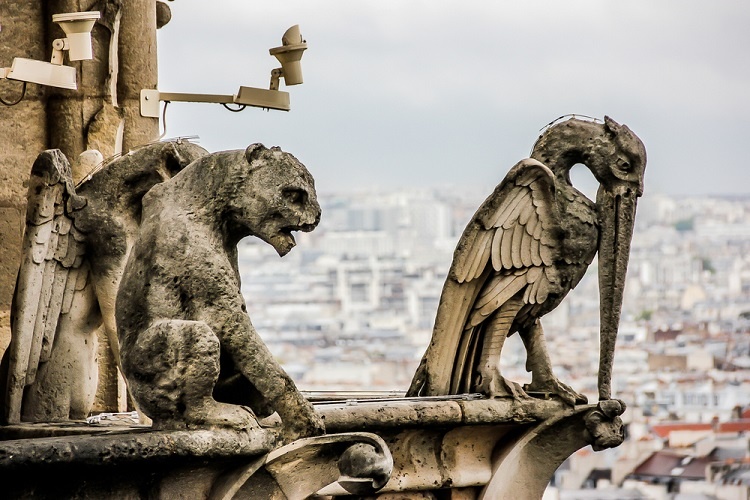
(480, 448)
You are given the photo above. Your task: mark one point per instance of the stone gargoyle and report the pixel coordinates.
(526, 247)
(76, 242)
(189, 351)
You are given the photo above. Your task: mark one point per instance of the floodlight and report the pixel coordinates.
(43, 73)
(77, 26)
(262, 98)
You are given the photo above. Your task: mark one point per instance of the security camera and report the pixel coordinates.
(77, 26)
(290, 54)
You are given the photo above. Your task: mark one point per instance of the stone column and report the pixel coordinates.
(103, 113)
(23, 134)
(72, 114)
(138, 69)
(133, 67)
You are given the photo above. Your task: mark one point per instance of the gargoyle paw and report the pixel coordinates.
(212, 414)
(304, 425)
(496, 386)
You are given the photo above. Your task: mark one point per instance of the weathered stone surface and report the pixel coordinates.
(413, 412)
(111, 391)
(363, 460)
(137, 70)
(121, 448)
(498, 448)
(71, 120)
(24, 134)
(604, 427)
(11, 223)
(135, 464)
(181, 318)
(105, 130)
(509, 449)
(163, 14)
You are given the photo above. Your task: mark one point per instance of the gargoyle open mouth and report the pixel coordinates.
(284, 240)
(286, 233)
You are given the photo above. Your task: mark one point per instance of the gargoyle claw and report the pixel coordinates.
(563, 391)
(496, 386)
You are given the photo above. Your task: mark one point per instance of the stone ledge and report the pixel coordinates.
(400, 413)
(134, 445)
(460, 442)
(29, 445)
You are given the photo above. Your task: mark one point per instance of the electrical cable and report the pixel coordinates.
(23, 94)
(241, 108)
(164, 120)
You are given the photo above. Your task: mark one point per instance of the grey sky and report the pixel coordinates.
(415, 93)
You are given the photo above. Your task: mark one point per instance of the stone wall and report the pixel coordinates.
(102, 114)
(24, 135)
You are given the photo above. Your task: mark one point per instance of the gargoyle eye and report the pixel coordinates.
(623, 164)
(296, 196)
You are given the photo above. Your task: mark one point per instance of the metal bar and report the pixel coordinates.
(184, 97)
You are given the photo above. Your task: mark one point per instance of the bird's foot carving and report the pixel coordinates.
(494, 385)
(554, 386)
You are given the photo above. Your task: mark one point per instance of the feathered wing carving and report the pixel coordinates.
(504, 259)
(51, 271)
(67, 286)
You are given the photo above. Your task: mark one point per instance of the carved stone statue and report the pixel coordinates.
(189, 351)
(526, 247)
(76, 242)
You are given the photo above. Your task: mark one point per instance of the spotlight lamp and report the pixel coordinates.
(288, 54)
(77, 43)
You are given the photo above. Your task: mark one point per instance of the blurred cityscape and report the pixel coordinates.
(351, 309)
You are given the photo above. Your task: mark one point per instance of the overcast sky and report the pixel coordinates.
(430, 93)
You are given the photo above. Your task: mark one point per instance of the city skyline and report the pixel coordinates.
(429, 94)
(353, 306)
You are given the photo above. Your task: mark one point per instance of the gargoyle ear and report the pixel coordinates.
(611, 126)
(253, 151)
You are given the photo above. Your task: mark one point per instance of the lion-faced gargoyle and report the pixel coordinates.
(189, 351)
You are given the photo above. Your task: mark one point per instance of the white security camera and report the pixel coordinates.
(290, 54)
(77, 26)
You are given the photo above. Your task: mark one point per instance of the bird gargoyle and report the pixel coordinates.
(526, 247)
(76, 242)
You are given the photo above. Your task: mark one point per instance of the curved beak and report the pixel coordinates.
(616, 218)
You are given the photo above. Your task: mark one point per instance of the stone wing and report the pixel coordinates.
(507, 248)
(52, 269)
